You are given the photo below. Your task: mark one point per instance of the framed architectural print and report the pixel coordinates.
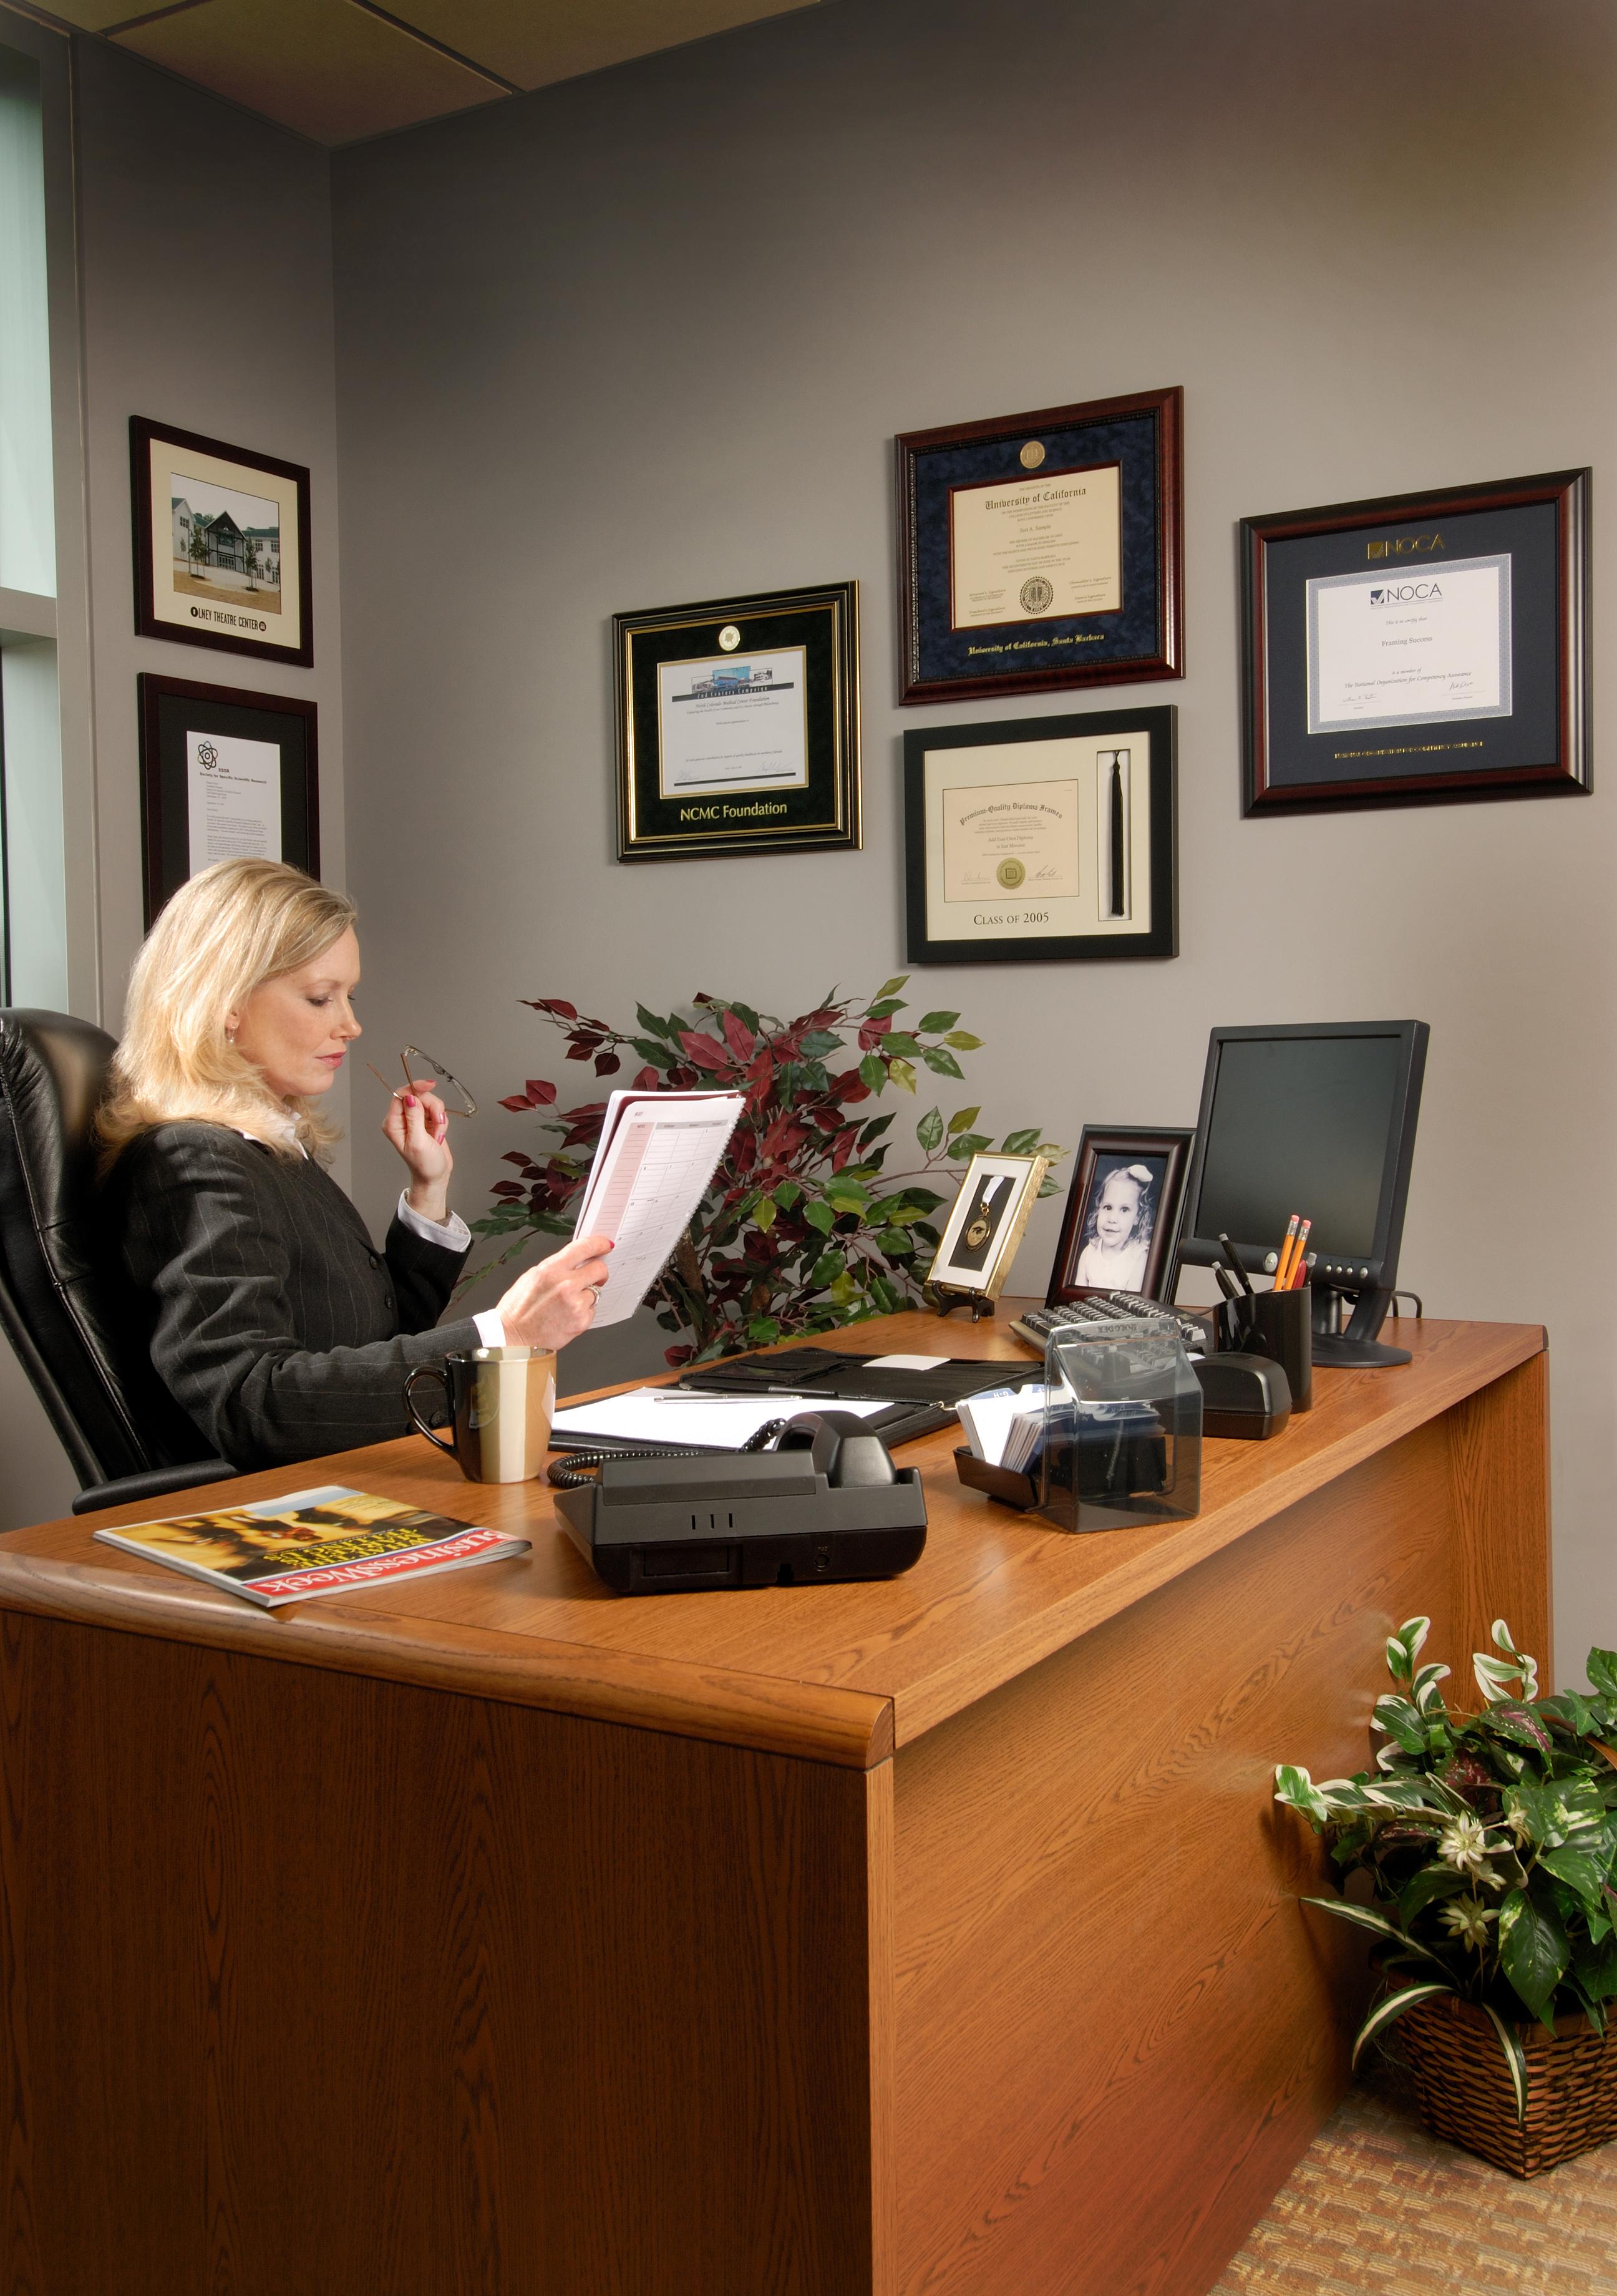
(224, 773)
(1420, 649)
(1120, 1229)
(981, 1234)
(221, 545)
(1041, 837)
(738, 725)
(1042, 550)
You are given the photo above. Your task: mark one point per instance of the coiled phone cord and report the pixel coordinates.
(581, 1468)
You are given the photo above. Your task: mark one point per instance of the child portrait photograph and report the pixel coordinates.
(1121, 1227)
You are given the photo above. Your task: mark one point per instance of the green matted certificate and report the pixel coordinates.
(738, 726)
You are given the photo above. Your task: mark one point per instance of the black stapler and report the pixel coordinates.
(1244, 1396)
(825, 1504)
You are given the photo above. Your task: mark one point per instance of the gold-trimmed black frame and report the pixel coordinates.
(823, 815)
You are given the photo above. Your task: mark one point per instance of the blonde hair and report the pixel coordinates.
(224, 933)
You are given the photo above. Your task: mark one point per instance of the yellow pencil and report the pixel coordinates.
(1298, 1273)
(1283, 1266)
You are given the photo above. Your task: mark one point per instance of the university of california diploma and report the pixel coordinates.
(1421, 647)
(1024, 550)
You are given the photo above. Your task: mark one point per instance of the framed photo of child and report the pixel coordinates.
(981, 1234)
(1120, 1229)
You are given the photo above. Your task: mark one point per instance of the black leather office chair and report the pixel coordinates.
(123, 1431)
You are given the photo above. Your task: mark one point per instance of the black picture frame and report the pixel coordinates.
(1104, 1150)
(204, 590)
(1530, 737)
(1142, 636)
(1008, 927)
(173, 709)
(740, 811)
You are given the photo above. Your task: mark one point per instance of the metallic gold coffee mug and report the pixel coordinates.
(500, 1401)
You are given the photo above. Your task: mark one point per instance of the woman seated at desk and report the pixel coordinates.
(271, 1318)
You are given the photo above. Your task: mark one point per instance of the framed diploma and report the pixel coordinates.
(1419, 649)
(224, 773)
(1042, 550)
(221, 545)
(1042, 838)
(738, 726)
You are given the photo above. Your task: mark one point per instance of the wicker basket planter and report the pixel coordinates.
(1464, 2092)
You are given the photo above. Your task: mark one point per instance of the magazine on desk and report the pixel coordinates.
(322, 1541)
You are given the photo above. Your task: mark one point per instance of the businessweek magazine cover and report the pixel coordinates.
(313, 1541)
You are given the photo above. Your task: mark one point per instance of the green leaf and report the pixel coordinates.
(963, 1041)
(818, 1043)
(874, 1130)
(827, 1268)
(654, 1026)
(928, 1132)
(904, 1076)
(787, 1194)
(1533, 1951)
(765, 1213)
(962, 1119)
(1020, 1144)
(1049, 1185)
(969, 1144)
(944, 1063)
(892, 988)
(935, 1022)
(873, 1072)
(897, 1041)
(1297, 1791)
(1386, 2011)
(1431, 1884)
(847, 1196)
(819, 1215)
(1363, 1918)
(883, 1006)
(1400, 1721)
(1413, 1634)
(1577, 1868)
(762, 1329)
(1602, 1671)
(1516, 2063)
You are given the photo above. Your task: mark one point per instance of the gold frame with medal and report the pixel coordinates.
(985, 1227)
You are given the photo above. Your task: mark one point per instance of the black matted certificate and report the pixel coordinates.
(738, 725)
(1418, 649)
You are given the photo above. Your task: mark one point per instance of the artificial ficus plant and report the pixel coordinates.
(1490, 1840)
(804, 1228)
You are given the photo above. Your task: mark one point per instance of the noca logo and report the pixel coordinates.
(1404, 594)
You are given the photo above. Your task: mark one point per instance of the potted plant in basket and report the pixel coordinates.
(1489, 1841)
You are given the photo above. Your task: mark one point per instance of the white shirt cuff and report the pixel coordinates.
(490, 1330)
(453, 1233)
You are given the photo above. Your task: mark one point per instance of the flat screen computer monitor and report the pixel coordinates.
(1318, 1120)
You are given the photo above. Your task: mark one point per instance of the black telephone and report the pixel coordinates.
(825, 1503)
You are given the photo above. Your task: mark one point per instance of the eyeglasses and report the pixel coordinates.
(457, 1100)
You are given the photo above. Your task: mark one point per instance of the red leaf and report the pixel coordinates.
(647, 1081)
(582, 1050)
(506, 1188)
(675, 1356)
(563, 1010)
(871, 1032)
(739, 1036)
(707, 1052)
(519, 1104)
(607, 1064)
(539, 1094)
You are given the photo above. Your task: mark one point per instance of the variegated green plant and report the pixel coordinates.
(1490, 1840)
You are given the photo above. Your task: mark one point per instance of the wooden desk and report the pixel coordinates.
(502, 1935)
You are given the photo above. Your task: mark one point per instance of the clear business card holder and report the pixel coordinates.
(1122, 1441)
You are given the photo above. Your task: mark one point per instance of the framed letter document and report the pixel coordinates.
(1042, 550)
(1041, 837)
(738, 725)
(223, 774)
(1423, 648)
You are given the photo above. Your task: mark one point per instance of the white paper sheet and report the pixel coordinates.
(658, 1152)
(666, 1415)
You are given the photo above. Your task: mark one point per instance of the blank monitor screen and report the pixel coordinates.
(1300, 1124)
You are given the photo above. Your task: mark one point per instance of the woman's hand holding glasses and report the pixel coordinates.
(417, 1124)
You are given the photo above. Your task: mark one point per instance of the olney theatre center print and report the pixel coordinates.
(221, 545)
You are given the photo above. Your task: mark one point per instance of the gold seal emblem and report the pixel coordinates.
(1011, 873)
(1038, 597)
(729, 637)
(1032, 454)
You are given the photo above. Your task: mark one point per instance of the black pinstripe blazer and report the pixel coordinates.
(271, 1317)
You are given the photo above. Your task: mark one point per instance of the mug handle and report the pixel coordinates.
(427, 1371)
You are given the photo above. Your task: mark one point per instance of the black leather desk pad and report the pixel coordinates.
(828, 1372)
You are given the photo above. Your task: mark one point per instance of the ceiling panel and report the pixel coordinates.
(93, 15)
(535, 42)
(332, 71)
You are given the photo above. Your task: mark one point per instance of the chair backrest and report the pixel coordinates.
(61, 1301)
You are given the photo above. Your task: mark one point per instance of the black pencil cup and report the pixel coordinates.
(1279, 1325)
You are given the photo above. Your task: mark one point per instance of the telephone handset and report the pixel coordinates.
(824, 1503)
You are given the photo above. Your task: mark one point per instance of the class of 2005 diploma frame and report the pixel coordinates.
(1041, 838)
(1420, 649)
(1042, 550)
(738, 725)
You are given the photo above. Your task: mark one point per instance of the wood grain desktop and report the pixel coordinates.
(937, 1935)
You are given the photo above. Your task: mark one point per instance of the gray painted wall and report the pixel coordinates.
(206, 303)
(647, 337)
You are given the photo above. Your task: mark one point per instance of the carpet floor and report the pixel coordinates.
(1377, 2207)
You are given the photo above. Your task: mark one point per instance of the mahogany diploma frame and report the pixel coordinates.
(1042, 550)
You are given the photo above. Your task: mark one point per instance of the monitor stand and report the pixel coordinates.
(1357, 1348)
